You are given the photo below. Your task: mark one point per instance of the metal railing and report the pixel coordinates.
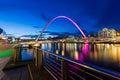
(63, 68)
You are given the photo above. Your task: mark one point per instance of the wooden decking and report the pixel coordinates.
(3, 62)
(39, 74)
(25, 71)
(20, 73)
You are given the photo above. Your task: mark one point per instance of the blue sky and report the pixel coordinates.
(28, 17)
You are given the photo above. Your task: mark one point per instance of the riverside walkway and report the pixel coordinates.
(45, 62)
(19, 70)
(25, 71)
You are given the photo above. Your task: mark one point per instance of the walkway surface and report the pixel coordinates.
(40, 74)
(25, 70)
(20, 71)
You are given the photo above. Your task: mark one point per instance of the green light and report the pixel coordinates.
(6, 53)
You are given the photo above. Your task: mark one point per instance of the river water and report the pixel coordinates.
(106, 56)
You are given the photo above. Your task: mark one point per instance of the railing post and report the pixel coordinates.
(63, 69)
(39, 59)
(15, 55)
(35, 55)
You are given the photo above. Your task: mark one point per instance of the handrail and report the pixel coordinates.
(87, 66)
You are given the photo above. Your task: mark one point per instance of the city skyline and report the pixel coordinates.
(28, 17)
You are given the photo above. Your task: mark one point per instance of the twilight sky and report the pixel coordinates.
(28, 17)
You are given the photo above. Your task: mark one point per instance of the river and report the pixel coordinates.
(106, 56)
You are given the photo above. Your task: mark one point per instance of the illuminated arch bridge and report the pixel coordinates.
(76, 25)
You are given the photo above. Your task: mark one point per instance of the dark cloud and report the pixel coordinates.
(45, 17)
(9, 34)
(52, 33)
(65, 33)
(31, 36)
(62, 34)
(35, 26)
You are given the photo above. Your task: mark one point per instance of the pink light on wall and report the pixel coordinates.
(76, 25)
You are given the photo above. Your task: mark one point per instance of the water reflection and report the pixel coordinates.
(24, 54)
(103, 55)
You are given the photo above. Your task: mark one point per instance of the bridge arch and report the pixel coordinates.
(69, 19)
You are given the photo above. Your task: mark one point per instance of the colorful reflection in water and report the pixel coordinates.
(26, 54)
(103, 55)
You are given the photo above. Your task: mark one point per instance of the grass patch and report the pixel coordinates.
(6, 53)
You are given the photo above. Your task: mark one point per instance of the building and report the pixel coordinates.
(107, 33)
(118, 33)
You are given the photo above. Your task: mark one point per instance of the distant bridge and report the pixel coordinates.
(76, 25)
(65, 17)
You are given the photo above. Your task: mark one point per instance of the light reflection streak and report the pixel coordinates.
(63, 49)
(95, 53)
(85, 49)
